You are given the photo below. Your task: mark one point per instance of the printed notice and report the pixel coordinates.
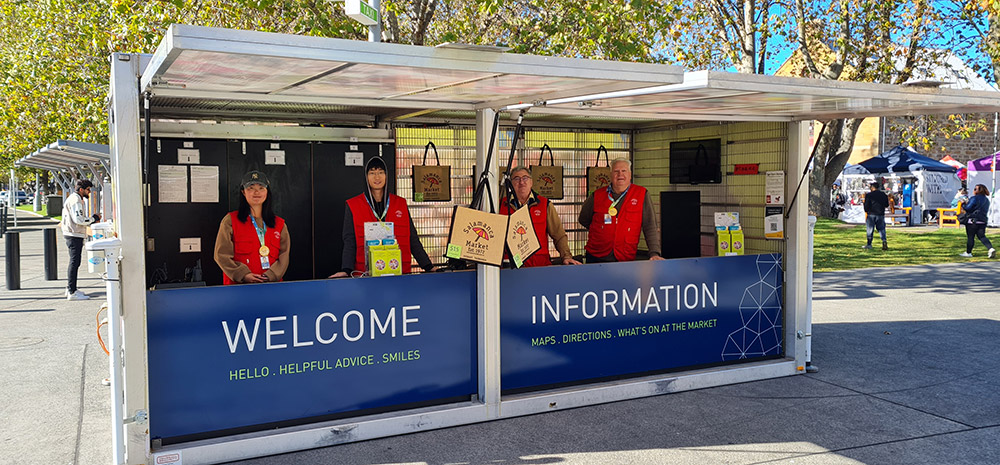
(354, 159)
(774, 188)
(188, 156)
(173, 184)
(274, 157)
(774, 227)
(205, 184)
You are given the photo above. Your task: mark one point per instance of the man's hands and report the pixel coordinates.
(255, 278)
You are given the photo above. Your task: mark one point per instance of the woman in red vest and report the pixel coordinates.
(252, 244)
(543, 218)
(377, 205)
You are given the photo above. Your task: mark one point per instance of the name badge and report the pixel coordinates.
(607, 218)
(265, 263)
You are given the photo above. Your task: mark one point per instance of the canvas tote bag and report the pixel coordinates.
(599, 177)
(547, 180)
(475, 235)
(431, 183)
(521, 238)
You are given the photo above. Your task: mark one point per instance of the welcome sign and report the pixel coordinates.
(568, 324)
(247, 356)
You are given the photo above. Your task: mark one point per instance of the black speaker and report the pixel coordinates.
(680, 229)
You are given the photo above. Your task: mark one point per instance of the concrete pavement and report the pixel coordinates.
(908, 375)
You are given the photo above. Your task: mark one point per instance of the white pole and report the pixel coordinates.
(12, 196)
(375, 30)
(810, 368)
(112, 250)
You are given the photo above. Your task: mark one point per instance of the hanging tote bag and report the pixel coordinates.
(703, 170)
(521, 238)
(476, 235)
(599, 177)
(431, 183)
(547, 180)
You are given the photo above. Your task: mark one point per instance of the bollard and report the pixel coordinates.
(3, 220)
(51, 260)
(13, 243)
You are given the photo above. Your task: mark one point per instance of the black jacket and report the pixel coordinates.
(876, 202)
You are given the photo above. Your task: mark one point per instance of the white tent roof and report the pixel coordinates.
(198, 70)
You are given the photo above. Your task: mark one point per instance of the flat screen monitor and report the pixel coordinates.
(696, 162)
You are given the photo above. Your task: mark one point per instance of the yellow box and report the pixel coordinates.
(723, 242)
(384, 260)
(736, 242)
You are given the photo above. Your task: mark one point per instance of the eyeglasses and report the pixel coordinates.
(519, 179)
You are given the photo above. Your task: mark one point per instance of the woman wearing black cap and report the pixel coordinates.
(252, 244)
(377, 205)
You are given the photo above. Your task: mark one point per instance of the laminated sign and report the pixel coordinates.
(547, 180)
(599, 177)
(476, 236)
(521, 238)
(431, 183)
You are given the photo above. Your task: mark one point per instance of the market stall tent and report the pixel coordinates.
(936, 182)
(480, 358)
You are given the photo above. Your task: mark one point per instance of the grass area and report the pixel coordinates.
(837, 246)
(29, 208)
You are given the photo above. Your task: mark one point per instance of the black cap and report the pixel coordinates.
(254, 177)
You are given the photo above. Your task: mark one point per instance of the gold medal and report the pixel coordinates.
(612, 211)
(264, 251)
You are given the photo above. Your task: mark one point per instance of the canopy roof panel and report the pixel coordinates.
(312, 78)
(65, 154)
(194, 60)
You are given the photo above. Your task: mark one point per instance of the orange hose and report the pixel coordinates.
(99, 324)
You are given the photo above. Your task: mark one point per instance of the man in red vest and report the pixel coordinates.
(614, 218)
(377, 205)
(543, 218)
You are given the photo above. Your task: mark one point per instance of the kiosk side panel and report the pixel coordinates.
(570, 324)
(231, 359)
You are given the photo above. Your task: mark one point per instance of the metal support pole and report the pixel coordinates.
(51, 258)
(810, 368)
(112, 255)
(375, 30)
(13, 259)
(3, 220)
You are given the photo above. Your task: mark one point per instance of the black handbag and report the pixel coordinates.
(703, 170)
(964, 217)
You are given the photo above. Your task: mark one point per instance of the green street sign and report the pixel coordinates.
(361, 12)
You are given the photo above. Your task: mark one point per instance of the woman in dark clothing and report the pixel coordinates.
(977, 208)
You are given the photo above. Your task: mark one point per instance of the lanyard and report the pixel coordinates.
(260, 232)
(380, 218)
(614, 201)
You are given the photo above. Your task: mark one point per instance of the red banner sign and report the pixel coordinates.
(747, 168)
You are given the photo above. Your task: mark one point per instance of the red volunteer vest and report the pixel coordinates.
(539, 220)
(398, 215)
(246, 244)
(621, 236)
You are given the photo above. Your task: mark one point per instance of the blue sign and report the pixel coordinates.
(238, 356)
(567, 324)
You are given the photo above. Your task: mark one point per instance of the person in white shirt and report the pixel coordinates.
(74, 228)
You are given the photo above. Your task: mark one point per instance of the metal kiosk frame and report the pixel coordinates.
(202, 73)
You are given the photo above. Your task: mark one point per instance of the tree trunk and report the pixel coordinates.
(993, 43)
(832, 151)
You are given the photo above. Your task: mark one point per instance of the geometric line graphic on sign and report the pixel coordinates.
(760, 311)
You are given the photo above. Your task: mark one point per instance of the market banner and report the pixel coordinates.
(568, 324)
(228, 359)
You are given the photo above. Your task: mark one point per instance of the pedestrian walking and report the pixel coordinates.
(975, 215)
(875, 204)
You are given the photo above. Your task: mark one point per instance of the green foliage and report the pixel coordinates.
(837, 246)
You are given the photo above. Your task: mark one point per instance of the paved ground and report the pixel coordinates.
(908, 375)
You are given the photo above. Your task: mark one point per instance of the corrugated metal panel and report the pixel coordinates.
(765, 143)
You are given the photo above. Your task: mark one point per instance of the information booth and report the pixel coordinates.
(215, 373)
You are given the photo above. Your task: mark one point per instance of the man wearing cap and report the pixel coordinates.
(253, 243)
(875, 204)
(615, 216)
(74, 228)
(376, 204)
(837, 200)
